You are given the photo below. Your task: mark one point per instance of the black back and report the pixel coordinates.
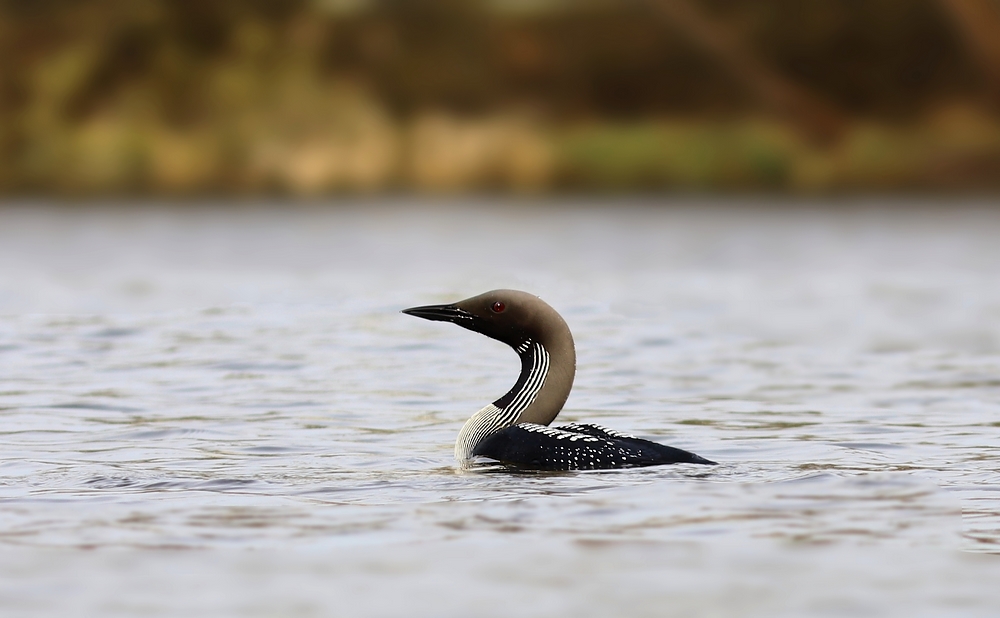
(577, 447)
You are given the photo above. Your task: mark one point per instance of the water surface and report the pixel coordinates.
(221, 410)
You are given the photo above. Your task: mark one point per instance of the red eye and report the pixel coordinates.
(498, 307)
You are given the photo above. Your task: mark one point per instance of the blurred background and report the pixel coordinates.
(315, 97)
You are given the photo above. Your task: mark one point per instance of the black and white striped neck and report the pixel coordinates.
(507, 410)
(534, 369)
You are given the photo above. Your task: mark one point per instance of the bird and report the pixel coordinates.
(514, 430)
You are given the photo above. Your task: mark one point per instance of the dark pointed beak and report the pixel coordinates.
(440, 313)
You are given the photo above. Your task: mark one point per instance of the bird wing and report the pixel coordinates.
(668, 454)
(598, 431)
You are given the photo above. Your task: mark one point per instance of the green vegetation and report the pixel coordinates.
(185, 97)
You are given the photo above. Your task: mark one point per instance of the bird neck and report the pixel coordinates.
(537, 396)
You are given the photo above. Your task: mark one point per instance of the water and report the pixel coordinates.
(220, 411)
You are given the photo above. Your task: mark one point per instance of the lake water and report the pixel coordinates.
(219, 410)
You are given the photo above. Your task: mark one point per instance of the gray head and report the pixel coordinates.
(509, 316)
(523, 321)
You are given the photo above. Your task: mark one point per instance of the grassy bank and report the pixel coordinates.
(340, 142)
(302, 97)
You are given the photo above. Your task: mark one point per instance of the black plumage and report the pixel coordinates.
(577, 447)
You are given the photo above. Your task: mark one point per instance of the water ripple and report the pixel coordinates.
(849, 390)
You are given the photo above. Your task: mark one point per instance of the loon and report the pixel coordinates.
(514, 429)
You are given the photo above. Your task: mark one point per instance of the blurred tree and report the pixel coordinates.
(815, 116)
(979, 21)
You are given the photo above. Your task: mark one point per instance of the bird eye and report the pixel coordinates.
(498, 307)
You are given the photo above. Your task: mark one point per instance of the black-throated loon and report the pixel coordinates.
(514, 429)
